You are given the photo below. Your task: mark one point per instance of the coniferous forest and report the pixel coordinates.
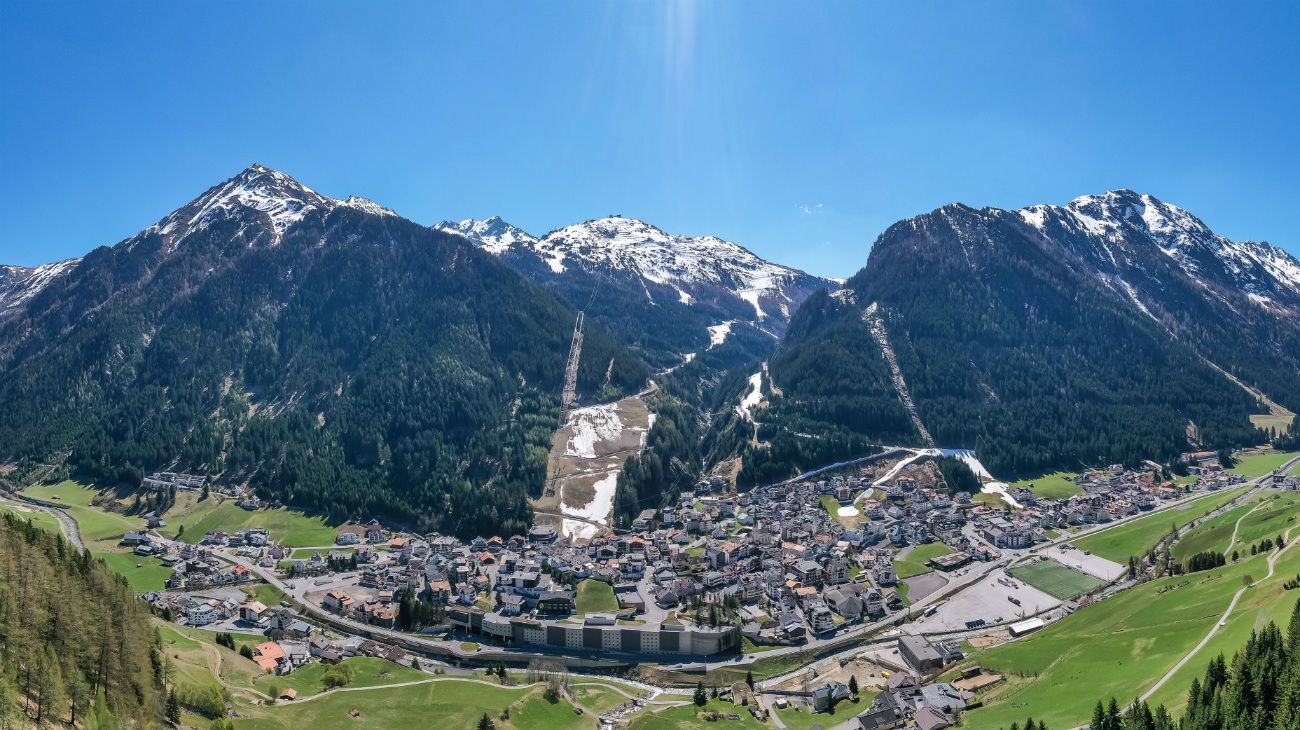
(360, 365)
(76, 646)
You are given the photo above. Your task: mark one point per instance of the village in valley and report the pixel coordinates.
(872, 578)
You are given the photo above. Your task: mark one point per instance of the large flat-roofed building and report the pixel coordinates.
(920, 654)
(598, 634)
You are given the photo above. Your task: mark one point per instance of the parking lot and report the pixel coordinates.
(988, 600)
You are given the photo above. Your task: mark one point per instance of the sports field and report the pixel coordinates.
(1056, 580)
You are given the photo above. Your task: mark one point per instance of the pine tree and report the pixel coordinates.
(853, 685)
(485, 723)
(173, 708)
(749, 680)
(701, 699)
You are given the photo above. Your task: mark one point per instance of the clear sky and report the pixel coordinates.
(800, 130)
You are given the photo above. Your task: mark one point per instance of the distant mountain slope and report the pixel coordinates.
(1052, 336)
(661, 292)
(20, 283)
(336, 355)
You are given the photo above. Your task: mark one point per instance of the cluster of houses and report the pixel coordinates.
(907, 703)
(780, 564)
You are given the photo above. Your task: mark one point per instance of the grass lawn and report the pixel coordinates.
(151, 575)
(1119, 647)
(292, 529)
(687, 717)
(1056, 580)
(366, 672)
(1052, 486)
(1295, 470)
(1271, 520)
(1258, 606)
(43, 520)
(94, 523)
(915, 562)
(594, 596)
(1136, 537)
(1212, 535)
(194, 653)
(597, 698)
(268, 594)
(749, 647)
(448, 704)
(1256, 465)
(832, 507)
(804, 718)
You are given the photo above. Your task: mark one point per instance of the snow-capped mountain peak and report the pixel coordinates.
(283, 200)
(493, 235)
(1116, 221)
(617, 245)
(367, 205)
(20, 283)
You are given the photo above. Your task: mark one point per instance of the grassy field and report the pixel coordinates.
(687, 717)
(597, 698)
(1258, 606)
(1052, 486)
(197, 658)
(292, 529)
(43, 520)
(151, 575)
(449, 703)
(1271, 520)
(101, 530)
(1119, 647)
(366, 672)
(1211, 535)
(832, 507)
(1256, 465)
(1056, 580)
(915, 562)
(266, 593)
(1136, 537)
(594, 596)
(95, 524)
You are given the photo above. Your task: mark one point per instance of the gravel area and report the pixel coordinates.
(988, 600)
(1099, 567)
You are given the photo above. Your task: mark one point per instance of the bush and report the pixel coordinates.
(339, 675)
(205, 701)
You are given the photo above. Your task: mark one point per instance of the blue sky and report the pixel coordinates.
(798, 130)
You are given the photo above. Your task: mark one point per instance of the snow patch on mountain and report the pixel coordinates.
(19, 284)
(718, 333)
(753, 396)
(1118, 218)
(369, 206)
(687, 264)
(491, 234)
(591, 425)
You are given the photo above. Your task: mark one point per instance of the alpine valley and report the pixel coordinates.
(340, 358)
